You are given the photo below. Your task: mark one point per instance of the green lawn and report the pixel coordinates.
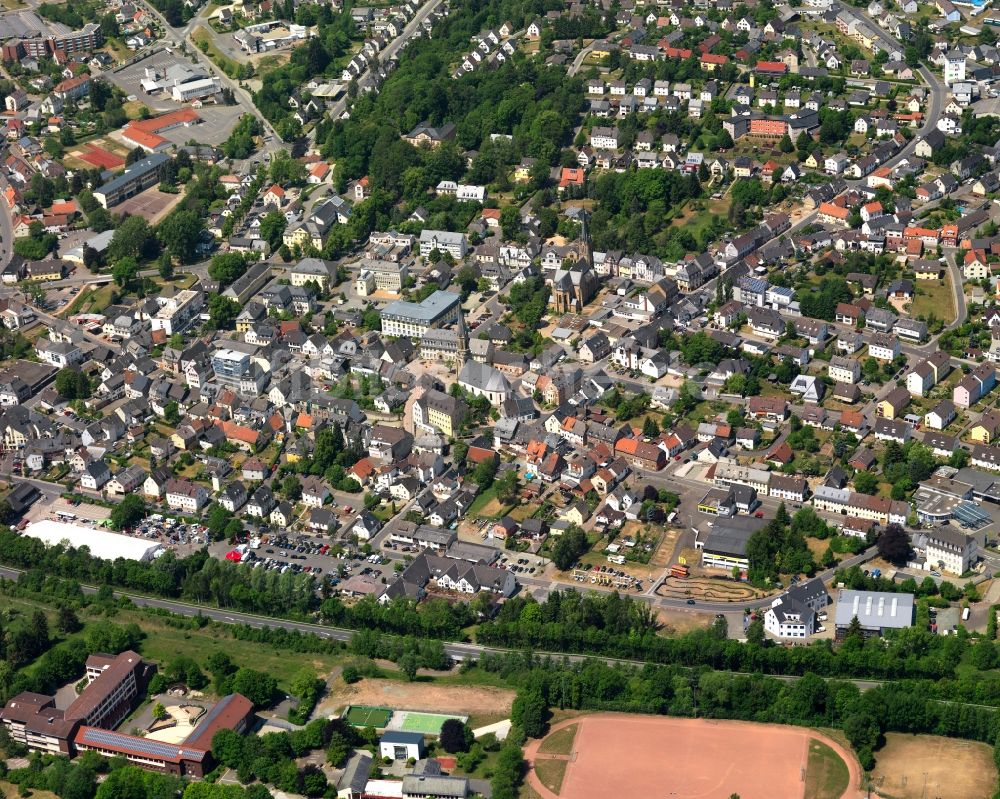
(934, 297)
(203, 40)
(560, 742)
(91, 300)
(827, 776)
(163, 643)
(552, 772)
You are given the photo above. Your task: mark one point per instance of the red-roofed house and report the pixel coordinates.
(711, 61)
(571, 176)
(244, 437)
(771, 67)
(640, 454)
(833, 214)
(274, 196)
(318, 173)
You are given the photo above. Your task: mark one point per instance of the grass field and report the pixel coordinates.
(91, 300)
(426, 723)
(487, 506)
(918, 766)
(826, 773)
(560, 742)
(551, 773)
(203, 41)
(9, 791)
(365, 716)
(934, 297)
(133, 108)
(163, 643)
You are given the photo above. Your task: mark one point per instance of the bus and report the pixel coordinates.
(65, 516)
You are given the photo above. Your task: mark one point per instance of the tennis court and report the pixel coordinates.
(367, 716)
(100, 157)
(424, 723)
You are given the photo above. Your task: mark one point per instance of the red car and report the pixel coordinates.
(759, 514)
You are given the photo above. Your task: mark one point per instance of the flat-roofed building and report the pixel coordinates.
(876, 612)
(413, 319)
(136, 178)
(726, 544)
(176, 313)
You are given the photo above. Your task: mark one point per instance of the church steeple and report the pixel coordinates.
(463, 336)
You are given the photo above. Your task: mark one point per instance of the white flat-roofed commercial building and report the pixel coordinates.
(101, 543)
(196, 90)
(413, 319)
(384, 789)
(177, 312)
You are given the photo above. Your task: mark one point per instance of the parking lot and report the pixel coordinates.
(317, 555)
(217, 122)
(129, 79)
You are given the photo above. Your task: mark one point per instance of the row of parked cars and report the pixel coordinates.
(521, 567)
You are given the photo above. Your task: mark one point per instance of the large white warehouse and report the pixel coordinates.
(102, 543)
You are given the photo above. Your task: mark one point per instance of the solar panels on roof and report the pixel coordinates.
(92, 736)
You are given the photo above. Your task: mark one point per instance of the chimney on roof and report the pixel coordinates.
(893, 611)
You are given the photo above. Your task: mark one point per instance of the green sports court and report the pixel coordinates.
(367, 716)
(424, 723)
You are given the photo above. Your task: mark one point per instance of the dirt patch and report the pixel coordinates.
(915, 766)
(678, 622)
(665, 551)
(418, 696)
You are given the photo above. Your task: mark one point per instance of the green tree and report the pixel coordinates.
(409, 664)
(132, 239)
(510, 221)
(894, 545)
(128, 512)
(865, 483)
(180, 233)
(125, 272)
(72, 384)
(222, 312)
(569, 547)
(291, 488)
(530, 712)
(257, 686)
(226, 267)
(172, 413)
(272, 226)
(455, 736)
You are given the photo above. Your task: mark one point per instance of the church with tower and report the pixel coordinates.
(574, 283)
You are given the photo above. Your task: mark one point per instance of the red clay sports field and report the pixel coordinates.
(621, 755)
